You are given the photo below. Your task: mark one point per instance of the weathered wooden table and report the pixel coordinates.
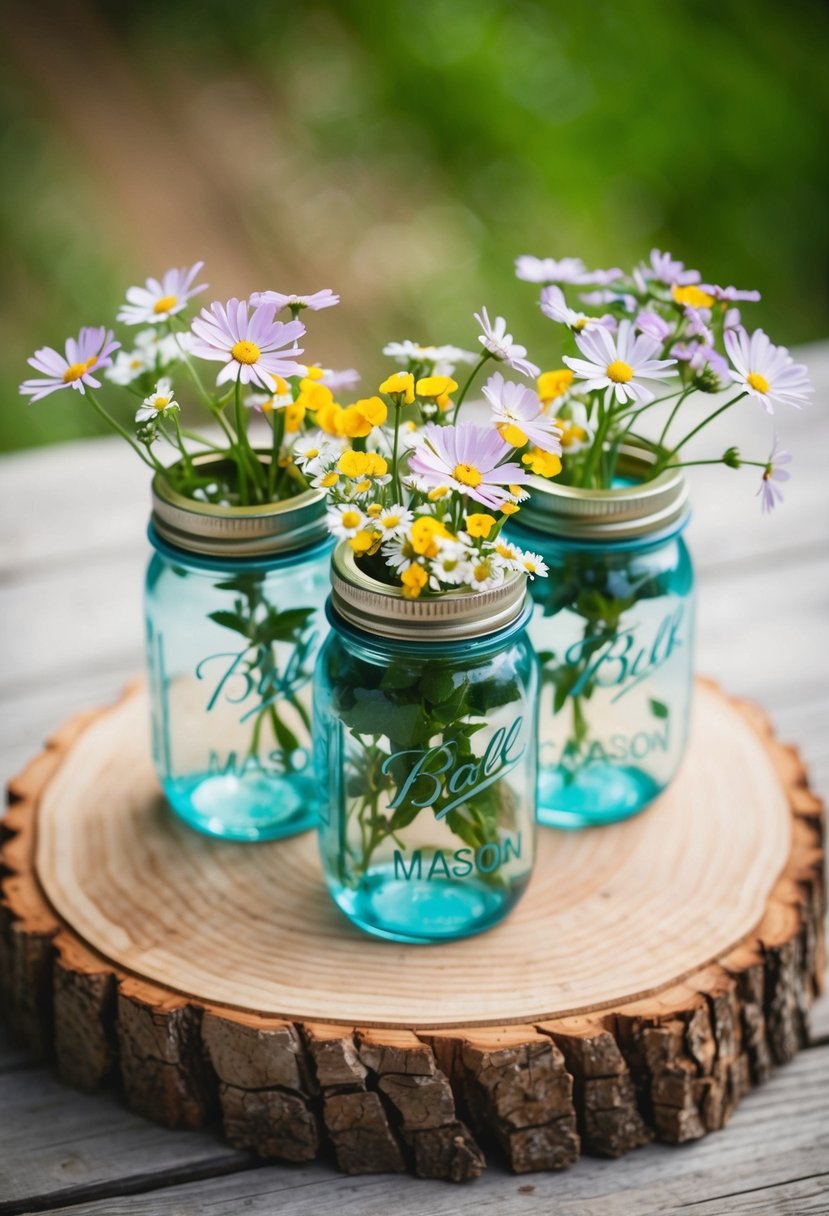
(73, 551)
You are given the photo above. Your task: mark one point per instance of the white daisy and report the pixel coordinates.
(534, 564)
(449, 567)
(554, 306)
(128, 366)
(316, 450)
(485, 571)
(345, 521)
(500, 345)
(394, 520)
(158, 301)
(440, 360)
(158, 404)
(768, 373)
(519, 415)
(398, 552)
(620, 363)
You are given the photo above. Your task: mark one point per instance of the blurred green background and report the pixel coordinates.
(402, 154)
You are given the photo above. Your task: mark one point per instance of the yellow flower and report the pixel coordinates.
(329, 418)
(329, 480)
(438, 493)
(571, 432)
(554, 384)
(510, 508)
(479, 524)
(312, 395)
(512, 434)
(693, 296)
(438, 388)
(359, 419)
(414, 579)
(314, 373)
(399, 384)
(361, 464)
(362, 542)
(543, 464)
(374, 510)
(294, 415)
(423, 533)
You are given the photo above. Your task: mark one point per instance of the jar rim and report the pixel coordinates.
(622, 513)
(382, 611)
(213, 530)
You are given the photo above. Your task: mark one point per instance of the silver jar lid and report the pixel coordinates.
(382, 610)
(213, 530)
(621, 514)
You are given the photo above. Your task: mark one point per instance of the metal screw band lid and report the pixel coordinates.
(215, 530)
(633, 510)
(383, 610)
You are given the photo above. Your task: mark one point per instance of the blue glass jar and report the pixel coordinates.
(613, 629)
(235, 616)
(425, 753)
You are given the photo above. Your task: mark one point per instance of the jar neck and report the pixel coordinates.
(638, 544)
(381, 649)
(277, 560)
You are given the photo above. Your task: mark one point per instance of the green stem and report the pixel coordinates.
(241, 462)
(486, 355)
(671, 416)
(278, 423)
(395, 473)
(185, 455)
(147, 457)
(666, 459)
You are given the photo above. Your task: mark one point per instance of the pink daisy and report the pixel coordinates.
(767, 372)
(320, 299)
(770, 494)
(89, 352)
(466, 458)
(519, 417)
(254, 349)
(158, 301)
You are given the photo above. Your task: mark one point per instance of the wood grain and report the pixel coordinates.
(289, 1082)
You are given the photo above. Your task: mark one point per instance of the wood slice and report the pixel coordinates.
(654, 971)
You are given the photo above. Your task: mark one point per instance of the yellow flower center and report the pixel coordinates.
(244, 351)
(161, 403)
(329, 480)
(390, 521)
(76, 370)
(350, 519)
(579, 325)
(619, 372)
(480, 573)
(164, 304)
(759, 383)
(467, 475)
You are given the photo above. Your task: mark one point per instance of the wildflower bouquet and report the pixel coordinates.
(644, 352)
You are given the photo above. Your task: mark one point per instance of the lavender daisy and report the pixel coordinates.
(468, 459)
(620, 363)
(551, 270)
(767, 372)
(771, 494)
(665, 268)
(555, 306)
(500, 345)
(158, 301)
(319, 299)
(254, 349)
(519, 415)
(89, 352)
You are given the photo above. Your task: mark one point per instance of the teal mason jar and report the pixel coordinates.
(425, 753)
(235, 614)
(613, 629)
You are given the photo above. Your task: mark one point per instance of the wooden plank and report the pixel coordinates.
(58, 1143)
(776, 1145)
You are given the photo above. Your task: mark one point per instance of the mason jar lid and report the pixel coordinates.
(214, 530)
(382, 610)
(630, 511)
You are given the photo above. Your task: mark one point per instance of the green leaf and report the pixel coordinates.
(230, 620)
(437, 685)
(658, 708)
(397, 676)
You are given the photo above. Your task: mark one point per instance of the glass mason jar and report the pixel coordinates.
(425, 753)
(613, 629)
(235, 614)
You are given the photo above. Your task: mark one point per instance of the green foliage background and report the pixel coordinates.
(403, 154)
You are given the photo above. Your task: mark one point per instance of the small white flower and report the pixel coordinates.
(534, 564)
(158, 404)
(500, 345)
(439, 360)
(485, 571)
(449, 567)
(316, 450)
(394, 520)
(510, 556)
(620, 363)
(128, 366)
(345, 521)
(768, 373)
(158, 301)
(398, 552)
